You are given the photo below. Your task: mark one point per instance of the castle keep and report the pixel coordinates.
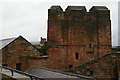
(76, 36)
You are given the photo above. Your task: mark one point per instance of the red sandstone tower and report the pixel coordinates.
(76, 36)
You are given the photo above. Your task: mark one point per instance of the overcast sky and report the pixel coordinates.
(29, 17)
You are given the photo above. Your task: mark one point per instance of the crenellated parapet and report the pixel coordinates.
(75, 12)
(100, 12)
(78, 12)
(77, 35)
(55, 13)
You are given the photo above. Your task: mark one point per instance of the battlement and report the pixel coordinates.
(77, 36)
(78, 12)
(100, 12)
(55, 12)
(75, 12)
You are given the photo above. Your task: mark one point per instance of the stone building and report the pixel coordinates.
(17, 52)
(76, 36)
(103, 67)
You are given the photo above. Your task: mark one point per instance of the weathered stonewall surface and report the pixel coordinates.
(76, 36)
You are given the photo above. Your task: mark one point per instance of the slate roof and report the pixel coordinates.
(48, 74)
(5, 42)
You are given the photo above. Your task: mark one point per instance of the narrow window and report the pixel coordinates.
(18, 66)
(90, 45)
(70, 66)
(76, 55)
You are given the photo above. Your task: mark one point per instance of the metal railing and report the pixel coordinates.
(32, 77)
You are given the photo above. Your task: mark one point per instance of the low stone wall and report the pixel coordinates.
(107, 66)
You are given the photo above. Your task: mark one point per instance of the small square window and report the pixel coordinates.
(70, 66)
(18, 66)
